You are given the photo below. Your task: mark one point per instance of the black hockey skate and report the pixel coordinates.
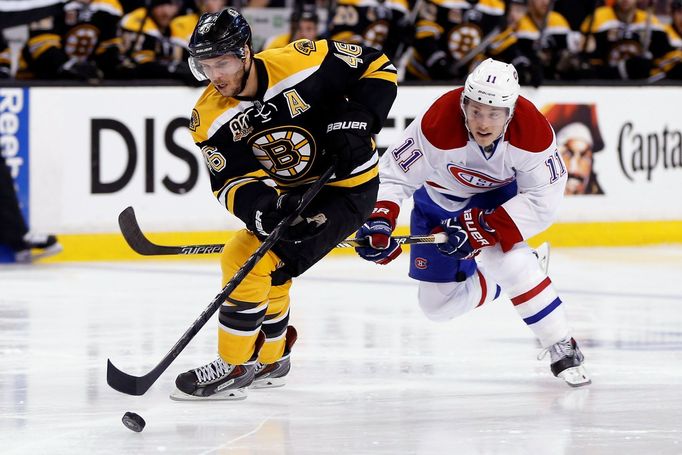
(36, 246)
(218, 380)
(273, 374)
(567, 362)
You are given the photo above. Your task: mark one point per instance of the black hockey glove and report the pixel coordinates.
(636, 67)
(349, 139)
(269, 210)
(439, 67)
(84, 71)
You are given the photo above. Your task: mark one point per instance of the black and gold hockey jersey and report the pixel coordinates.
(276, 139)
(151, 48)
(82, 31)
(452, 28)
(617, 41)
(374, 23)
(544, 43)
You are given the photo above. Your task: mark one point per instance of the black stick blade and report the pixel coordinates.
(125, 383)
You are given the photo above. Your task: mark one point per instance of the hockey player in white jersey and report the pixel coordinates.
(482, 165)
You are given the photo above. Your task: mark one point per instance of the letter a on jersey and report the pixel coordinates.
(295, 103)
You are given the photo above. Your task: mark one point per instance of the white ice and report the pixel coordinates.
(370, 375)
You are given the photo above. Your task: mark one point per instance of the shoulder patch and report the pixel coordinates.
(305, 47)
(529, 130)
(194, 122)
(443, 124)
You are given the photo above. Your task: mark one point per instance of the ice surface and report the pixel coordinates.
(370, 373)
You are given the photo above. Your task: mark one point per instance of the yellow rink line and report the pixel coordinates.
(112, 247)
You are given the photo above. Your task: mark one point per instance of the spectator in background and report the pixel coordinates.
(14, 233)
(148, 44)
(543, 37)
(670, 65)
(674, 29)
(576, 11)
(381, 24)
(80, 42)
(5, 58)
(447, 32)
(303, 24)
(628, 43)
(505, 46)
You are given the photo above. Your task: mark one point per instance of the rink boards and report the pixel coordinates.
(81, 155)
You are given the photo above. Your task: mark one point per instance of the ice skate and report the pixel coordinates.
(217, 380)
(542, 253)
(567, 362)
(274, 374)
(37, 246)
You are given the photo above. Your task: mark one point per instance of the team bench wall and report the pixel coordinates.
(82, 154)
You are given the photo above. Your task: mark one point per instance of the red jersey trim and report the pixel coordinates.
(443, 124)
(529, 130)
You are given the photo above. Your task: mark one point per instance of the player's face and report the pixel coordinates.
(225, 72)
(164, 14)
(516, 12)
(626, 5)
(212, 6)
(539, 7)
(306, 30)
(485, 123)
(577, 155)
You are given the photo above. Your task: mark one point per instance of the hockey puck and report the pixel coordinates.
(133, 422)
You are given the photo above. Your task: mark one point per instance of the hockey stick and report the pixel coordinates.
(138, 385)
(136, 239)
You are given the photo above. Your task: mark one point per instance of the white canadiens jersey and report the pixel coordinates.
(437, 152)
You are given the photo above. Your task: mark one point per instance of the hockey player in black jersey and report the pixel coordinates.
(79, 42)
(269, 125)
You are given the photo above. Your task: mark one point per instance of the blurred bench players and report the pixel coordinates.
(482, 165)
(303, 24)
(381, 24)
(80, 42)
(147, 42)
(268, 126)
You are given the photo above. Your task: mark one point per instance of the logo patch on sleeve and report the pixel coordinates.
(194, 122)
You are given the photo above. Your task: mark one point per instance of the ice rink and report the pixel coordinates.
(370, 375)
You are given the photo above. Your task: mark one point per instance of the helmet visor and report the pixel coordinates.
(225, 65)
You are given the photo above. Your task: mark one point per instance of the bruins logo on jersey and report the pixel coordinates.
(305, 47)
(286, 152)
(194, 122)
(463, 38)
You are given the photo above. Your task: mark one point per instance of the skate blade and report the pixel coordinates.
(268, 383)
(226, 395)
(36, 254)
(575, 376)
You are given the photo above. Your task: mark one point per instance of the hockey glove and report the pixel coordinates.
(269, 210)
(382, 248)
(349, 139)
(439, 67)
(84, 71)
(467, 234)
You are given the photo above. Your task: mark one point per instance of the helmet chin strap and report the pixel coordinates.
(247, 71)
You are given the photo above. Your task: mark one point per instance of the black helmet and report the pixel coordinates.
(216, 34)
